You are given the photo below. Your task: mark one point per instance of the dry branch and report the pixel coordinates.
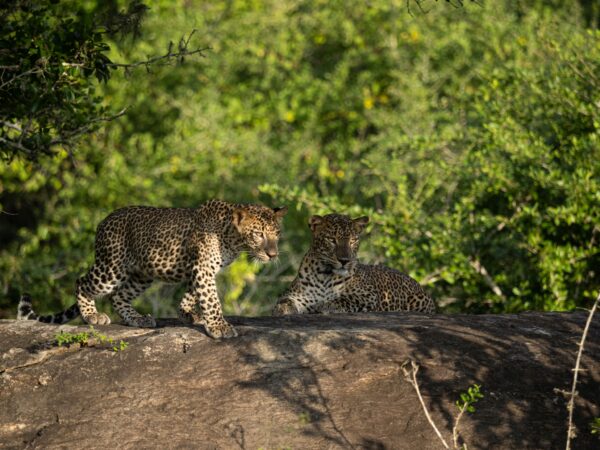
(411, 377)
(571, 431)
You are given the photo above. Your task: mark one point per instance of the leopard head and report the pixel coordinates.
(259, 228)
(336, 238)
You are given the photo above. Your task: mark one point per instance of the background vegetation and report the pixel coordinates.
(470, 135)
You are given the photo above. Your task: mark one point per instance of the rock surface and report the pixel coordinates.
(300, 382)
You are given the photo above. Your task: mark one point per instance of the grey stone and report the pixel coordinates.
(300, 382)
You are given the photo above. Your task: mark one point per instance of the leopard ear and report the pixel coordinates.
(280, 212)
(360, 223)
(238, 216)
(314, 222)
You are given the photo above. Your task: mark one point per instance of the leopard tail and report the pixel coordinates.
(26, 312)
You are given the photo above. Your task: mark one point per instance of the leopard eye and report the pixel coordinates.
(330, 240)
(257, 235)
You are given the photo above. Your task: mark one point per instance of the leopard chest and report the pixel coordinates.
(320, 287)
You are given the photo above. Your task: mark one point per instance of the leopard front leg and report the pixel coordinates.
(296, 299)
(337, 306)
(284, 306)
(188, 313)
(204, 290)
(342, 305)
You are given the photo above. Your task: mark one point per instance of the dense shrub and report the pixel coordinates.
(469, 135)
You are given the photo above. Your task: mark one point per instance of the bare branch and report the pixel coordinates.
(476, 264)
(11, 125)
(16, 145)
(571, 431)
(178, 55)
(35, 70)
(456, 421)
(63, 139)
(411, 377)
(150, 61)
(431, 277)
(86, 127)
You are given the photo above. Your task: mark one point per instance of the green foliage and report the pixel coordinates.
(52, 56)
(469, 135)
(64, 338)
(53, 52)
(467, 399)
(304, 418)
(83, 339)
(595, 426)
(121, 346)
(233, 282)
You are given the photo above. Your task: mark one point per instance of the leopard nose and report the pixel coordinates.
(343, 260)
(271, 253)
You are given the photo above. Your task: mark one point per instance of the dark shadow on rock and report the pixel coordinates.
(520, 361)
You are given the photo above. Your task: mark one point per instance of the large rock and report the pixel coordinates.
(301, 382)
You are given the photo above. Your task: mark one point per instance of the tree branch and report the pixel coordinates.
(16, 145)
(86, 127)
(21, 75)
(63, 139)
(411, 377)
(476, 264)
(456, 421)
(571, 431)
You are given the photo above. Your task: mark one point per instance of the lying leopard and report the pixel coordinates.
(138, 244)
(331, 280)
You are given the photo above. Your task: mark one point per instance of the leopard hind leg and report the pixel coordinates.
(100, 280)
(122, 297)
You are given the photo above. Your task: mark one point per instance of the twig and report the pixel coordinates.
(63, 139)
(11, 125)
(183, 51)
(168, 56)
(431, 277)
(456, 421)
(86, 127)
(476, 264)
(411, 377)
(571, 429)
(179, 55)
(21, 75)
(16, 145)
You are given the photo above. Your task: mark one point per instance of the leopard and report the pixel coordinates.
(137, 245)
(330, 278)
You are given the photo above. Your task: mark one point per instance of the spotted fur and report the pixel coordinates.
(331, 280)
(139, 244)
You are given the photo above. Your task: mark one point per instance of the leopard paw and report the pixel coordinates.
(193, 318)
(284, 308)
(97, 319)
(146, 321)
(220, 330)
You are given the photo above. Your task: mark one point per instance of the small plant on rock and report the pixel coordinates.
(467, 399)
(64, 338)
(83, 339)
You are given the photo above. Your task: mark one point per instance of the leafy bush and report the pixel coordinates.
(469, 135)
(51, 53)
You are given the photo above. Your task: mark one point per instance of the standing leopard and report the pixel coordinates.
(331, 280)
(139, 244)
